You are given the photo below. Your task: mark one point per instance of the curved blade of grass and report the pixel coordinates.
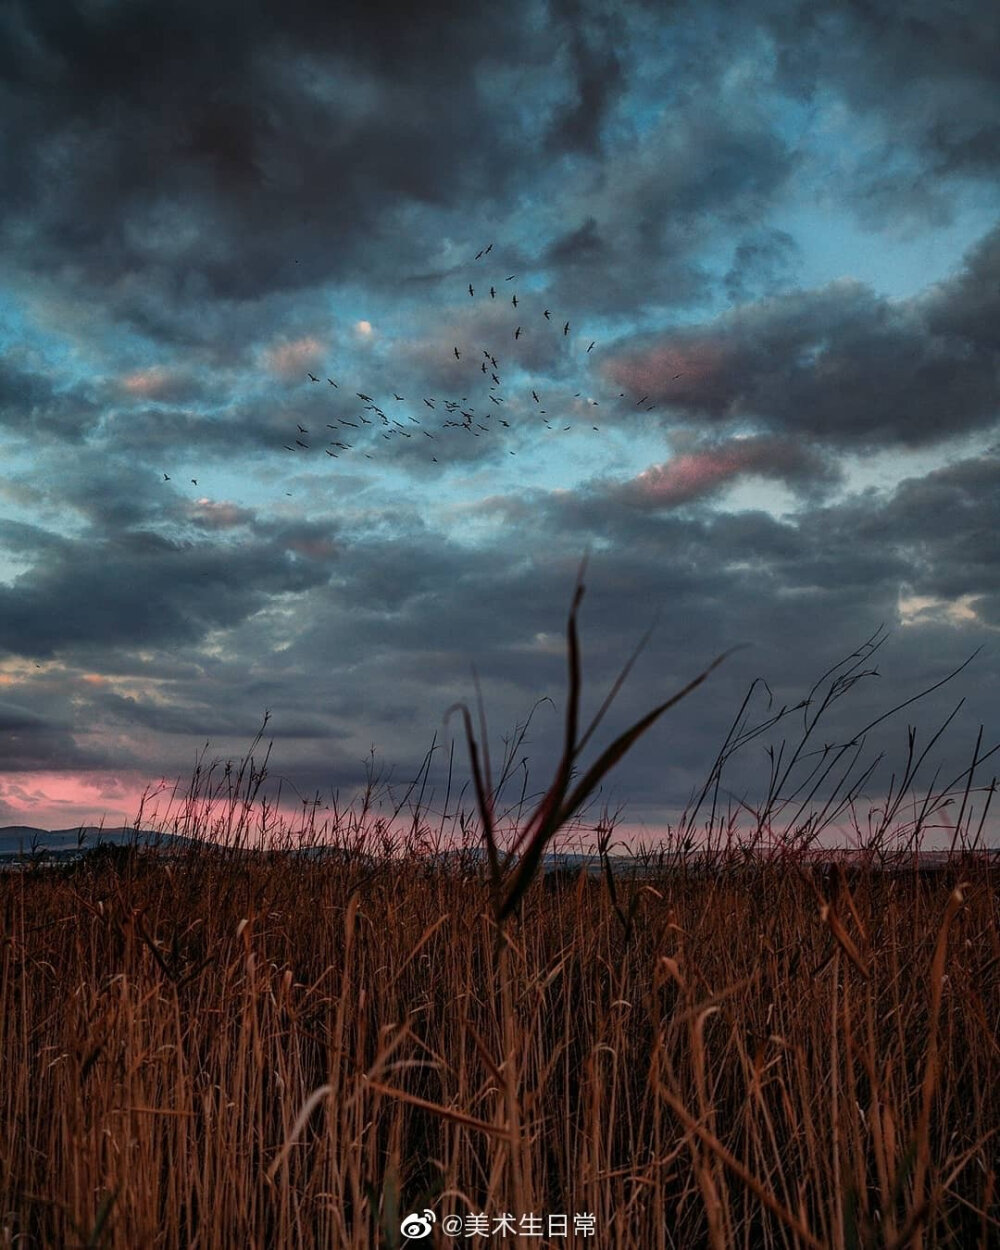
(554, 810)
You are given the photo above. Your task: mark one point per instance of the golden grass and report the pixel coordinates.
(221, 1053)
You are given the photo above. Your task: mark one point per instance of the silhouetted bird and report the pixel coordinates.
(312, 378)
(471, 291)
(488, 250)
(588, 349)
(429, 403)
(331, 381)
(566, 328)
(302, 429)
(493, 292)
(546, 315)
(517, 332)
(395, 396)
(194, 481)
(166, 477)
(300, 443)
(513, 300)
(534, 396)
(457, 356)
(678, 375)
(511, 278)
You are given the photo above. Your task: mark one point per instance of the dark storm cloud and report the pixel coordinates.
(210, 148)
(928, 70)
(32, 402)
(140, 589)
(948, 521)
(762, 263)
(597, 80)
(639, 223)
(842, 365)
(29, 741)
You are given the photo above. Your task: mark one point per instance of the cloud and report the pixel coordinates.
(840, 365)
(291, 360)
(696, 475)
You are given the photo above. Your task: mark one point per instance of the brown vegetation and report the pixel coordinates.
(737, 1047)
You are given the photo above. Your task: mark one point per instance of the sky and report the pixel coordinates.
(751, 373)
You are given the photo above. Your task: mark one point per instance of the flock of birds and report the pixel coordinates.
(460, 413)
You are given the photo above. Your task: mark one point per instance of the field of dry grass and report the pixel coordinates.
(738, 1047)
(224, 1052)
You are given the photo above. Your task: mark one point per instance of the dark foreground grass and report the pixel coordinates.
(221, 1051)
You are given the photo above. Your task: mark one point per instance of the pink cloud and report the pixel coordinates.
(654, 372)
(313, 548)
(699, 473)
(218, 514)
(147, 383)
(290, 358)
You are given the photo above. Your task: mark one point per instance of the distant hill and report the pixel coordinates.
(25, 841)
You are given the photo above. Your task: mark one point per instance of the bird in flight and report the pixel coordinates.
(588, 349)
(302, 429)
(566, 328)
(513, 300)
(545, 314)
(471, 291)
(457, 354)
(534, 396)
(300, 443)
(493, 292)
(517, 332)
(331, 381)
(166, 477)
(194, 481)
(312, 378)
(678, 375)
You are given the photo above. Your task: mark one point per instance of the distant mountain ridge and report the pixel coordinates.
(25, 840)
